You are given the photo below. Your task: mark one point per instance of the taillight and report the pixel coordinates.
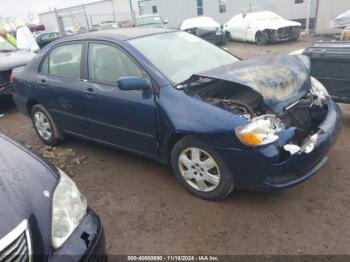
(12, 80)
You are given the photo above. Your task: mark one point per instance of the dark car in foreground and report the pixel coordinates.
(10, 58)
(43, 215)
(330, 65)
(220, 122)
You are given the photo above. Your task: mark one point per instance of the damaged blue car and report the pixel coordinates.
(222, 123)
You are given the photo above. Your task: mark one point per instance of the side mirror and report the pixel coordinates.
(166, 21)
(133, 83)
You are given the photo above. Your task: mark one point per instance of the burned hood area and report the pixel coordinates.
(277, 89)
(280, 80)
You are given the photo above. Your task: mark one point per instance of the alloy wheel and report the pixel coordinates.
(199, 169)
(42, 125)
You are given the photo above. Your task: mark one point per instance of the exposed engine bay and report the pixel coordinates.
(305, 114)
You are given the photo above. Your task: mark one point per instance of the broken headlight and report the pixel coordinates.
(260, 131)
(68, 208)
(318, 90)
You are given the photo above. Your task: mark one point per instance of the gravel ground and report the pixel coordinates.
(145, 211)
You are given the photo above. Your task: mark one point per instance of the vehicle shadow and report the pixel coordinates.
(6, 104)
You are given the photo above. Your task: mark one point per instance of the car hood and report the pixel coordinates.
(14, 59)
(280, 80)
(23, 179)
(273, 24)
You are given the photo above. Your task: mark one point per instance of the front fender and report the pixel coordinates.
(180, 115)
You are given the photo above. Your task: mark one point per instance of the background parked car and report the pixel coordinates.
(342, 21)
(107, 26)
(10, 58)
(45, 38)
(206, 28)
(150, 21)
(43, 213)
(36, 27)
(261, 27)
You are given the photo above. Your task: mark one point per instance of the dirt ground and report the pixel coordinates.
(145, 211)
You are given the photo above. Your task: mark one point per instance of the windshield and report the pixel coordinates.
(179, 55)
(148, 20)
(6, 46)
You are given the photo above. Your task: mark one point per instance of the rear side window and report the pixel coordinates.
(108, 63)
(64, 61)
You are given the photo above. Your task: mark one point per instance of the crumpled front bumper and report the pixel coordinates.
(87, 243)
(265, 169)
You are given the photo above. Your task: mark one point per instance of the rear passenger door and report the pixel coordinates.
(126, 119)
(59, 86)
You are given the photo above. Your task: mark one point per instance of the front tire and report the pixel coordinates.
(45, 127)
(201, 170)
(296, 34)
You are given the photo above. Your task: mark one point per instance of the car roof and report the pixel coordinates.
(120, 33)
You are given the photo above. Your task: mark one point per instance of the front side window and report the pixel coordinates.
(108, 63)
(179, 55)
(63, 61)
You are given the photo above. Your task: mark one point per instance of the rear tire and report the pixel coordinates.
(47, 130)
(201, 170)
(296, 34)
(262, 37)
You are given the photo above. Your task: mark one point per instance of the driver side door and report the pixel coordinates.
(122, 118)
(239, 27)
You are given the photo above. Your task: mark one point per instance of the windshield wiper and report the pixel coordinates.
(184, 83)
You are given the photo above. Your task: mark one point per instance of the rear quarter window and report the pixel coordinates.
(64, 60)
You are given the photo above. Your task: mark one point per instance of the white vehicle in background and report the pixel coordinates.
(206, 28)
(261, 28)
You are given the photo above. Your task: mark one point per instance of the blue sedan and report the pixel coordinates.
(222, 123)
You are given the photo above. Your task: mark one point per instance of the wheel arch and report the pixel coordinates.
(172, 140)
(30, 104)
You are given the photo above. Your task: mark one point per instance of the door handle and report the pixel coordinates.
(89, 92)
(42, 82)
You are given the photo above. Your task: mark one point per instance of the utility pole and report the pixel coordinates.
(86, 18)
(132, 11)
(59, 23)
(112, 2)
(308, 11)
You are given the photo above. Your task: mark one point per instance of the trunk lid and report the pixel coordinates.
(280, 80)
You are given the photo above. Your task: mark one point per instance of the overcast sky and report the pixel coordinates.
(21, 8)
